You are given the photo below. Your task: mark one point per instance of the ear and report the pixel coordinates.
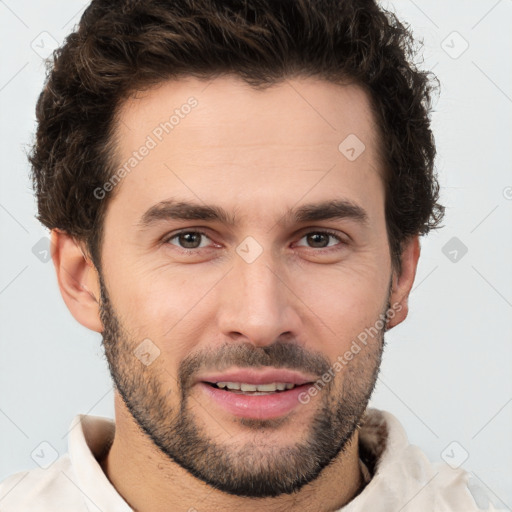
(402, 283)
(78, 280)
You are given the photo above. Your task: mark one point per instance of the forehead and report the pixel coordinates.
(205, 138)
(293, 109)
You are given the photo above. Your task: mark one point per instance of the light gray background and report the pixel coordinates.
(447, 371)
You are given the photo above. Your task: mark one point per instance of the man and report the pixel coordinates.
(236, 192)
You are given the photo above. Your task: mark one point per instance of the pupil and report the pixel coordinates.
(316, 239)
(187, 239)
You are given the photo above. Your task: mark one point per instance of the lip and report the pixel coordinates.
(266, 376)
(268, 406)
(261, 407)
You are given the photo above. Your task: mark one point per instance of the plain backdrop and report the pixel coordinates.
(446, 372)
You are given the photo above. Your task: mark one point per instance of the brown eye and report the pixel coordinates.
(318, 240)
(188, 239)
(321, 239)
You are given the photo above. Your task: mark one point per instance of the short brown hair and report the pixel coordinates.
(122, 46)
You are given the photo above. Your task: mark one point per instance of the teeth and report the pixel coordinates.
(243, 386)
(249, 387)
(267, 387)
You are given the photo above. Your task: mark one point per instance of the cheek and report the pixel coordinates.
(343, 302)
(169, 306)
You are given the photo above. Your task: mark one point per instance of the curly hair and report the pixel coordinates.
(122, 46)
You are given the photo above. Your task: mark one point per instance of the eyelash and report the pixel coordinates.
(322, 232)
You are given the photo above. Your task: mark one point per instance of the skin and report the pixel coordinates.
(256, 154)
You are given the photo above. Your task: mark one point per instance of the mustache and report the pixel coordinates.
(278, 355)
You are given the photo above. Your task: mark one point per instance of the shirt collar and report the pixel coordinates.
(394, 471)
(89, 437)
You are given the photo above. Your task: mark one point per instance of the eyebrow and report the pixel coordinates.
(182, 210)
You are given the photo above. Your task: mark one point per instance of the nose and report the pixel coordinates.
(258, 304)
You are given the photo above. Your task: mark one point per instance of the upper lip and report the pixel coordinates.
(253, 376)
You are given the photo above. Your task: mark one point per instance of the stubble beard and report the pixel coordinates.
(246, 469)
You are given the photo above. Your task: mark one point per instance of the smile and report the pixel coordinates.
(254, 389)
(256, 393)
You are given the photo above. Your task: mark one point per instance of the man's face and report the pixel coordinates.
(268, 295)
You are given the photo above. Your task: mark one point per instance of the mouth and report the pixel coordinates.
(266, 394)
(246, 388)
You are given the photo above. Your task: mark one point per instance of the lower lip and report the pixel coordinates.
(260, 407)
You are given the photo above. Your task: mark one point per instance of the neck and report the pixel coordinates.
(149, 482)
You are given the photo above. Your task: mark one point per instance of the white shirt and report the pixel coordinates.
(399, 475)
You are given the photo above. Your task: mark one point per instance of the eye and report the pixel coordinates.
(320, 239)
(188, 240)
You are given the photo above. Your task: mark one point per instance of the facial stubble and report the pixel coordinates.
(242, 469)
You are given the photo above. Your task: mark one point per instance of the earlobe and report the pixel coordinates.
(402, 283)
(78, 280)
